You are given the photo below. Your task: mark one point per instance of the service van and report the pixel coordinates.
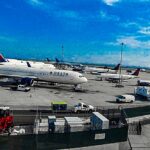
(125, 99)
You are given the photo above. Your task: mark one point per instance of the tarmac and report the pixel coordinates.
(96, 93)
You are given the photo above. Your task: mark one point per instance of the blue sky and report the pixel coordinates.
(90, 30)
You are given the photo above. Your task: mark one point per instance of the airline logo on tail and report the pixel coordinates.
(2, 59)
(136, 73)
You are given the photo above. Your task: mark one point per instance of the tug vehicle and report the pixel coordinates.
(20, 87)
(61, 106)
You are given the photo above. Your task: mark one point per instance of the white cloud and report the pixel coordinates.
(145, 30)
(132, 42)
(7, 38)
(110, 2)
(129, 59)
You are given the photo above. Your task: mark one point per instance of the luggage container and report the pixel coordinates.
(75, 128)
(51, 120)
(73, 120)
(59, 126)
(73, 124)
(98, 121)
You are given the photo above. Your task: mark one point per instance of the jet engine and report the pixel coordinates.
(27, 81)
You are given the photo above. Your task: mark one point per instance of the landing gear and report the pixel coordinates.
(77, 87)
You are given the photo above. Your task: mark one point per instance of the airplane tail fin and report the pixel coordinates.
(48, 60)
(57, 60)
(28, 64)
(2, 59)
(116, 67)
(136, 73)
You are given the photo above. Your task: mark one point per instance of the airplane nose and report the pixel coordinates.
(85, 79)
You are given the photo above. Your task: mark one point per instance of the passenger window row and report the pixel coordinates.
(59, 73)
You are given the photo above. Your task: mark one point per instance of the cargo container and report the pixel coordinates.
(98, 121)
(59, 126)
(51, 120)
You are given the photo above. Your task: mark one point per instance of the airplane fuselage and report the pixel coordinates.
(50, 75)
(98, 70)
(116, 76)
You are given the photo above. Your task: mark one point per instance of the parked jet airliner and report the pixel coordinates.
(23, 63)
(109, 76)
(97, 71)
(27, 75)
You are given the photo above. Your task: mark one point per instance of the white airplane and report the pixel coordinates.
(24, 63)
(27, 75)
(115, 77)
(96, 71)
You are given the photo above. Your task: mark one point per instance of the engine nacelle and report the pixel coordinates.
(27, 81)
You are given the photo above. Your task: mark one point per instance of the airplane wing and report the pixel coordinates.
(17, 76)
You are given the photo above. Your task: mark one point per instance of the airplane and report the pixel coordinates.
(62, 63)
(78, 67)
(117, 77)
(97, 71)
(27, 75)
(23, 63)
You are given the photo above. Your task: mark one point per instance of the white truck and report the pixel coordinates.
(143, 91)
(20, 87)
(82, 107)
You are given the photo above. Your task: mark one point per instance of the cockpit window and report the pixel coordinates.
(81, 76)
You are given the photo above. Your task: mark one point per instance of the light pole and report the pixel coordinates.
(120, 80)
(62, 48)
